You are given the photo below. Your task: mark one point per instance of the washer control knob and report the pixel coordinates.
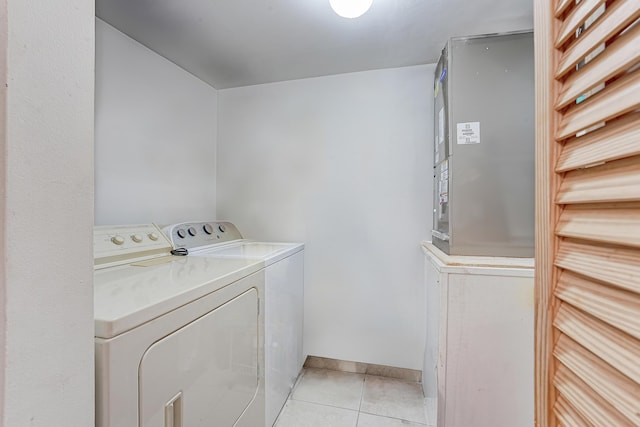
(222, 228)
(207, 228)
(118, 240)
(136, 238)
(192, 231)
(181, 233)
(153, 236)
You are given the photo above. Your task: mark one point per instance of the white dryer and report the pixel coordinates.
(178, 340)
(284, 297)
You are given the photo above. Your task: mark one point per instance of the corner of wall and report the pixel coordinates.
(3, 168)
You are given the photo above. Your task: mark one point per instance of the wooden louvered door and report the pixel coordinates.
(587, 213)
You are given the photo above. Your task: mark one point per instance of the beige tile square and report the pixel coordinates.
(394, 398)
(368, 420)
(305, 414)
(326, 387)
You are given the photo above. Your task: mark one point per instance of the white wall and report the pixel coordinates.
(342, 163)
(155, 136)
(47, 213)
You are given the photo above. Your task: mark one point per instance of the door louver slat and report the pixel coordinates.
(616, 266)
(563, 6)
(618, 390)
(614, 347)
(613, 226)
(567, 416)
(619, 15)
(575, 19)
(617, 57)
(613, 306)
(586, 402)
(617, 181)
(615, 100)
(621, 138)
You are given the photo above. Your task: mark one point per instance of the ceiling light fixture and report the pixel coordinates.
(350, 8)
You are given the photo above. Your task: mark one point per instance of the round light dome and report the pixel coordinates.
(350, 8)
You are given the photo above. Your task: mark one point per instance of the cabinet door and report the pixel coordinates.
(489, 357)
(205, 373)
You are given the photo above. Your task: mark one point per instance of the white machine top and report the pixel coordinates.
(128, 296)
(138, 280)
(267, 252)
(222, 239)
(248, 249)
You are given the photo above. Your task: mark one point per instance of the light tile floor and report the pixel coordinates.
(325, 398)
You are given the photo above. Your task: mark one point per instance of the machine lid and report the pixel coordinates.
(127, 296)
(268, 251)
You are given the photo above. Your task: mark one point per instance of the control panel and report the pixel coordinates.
(191, 235)
(113, 245)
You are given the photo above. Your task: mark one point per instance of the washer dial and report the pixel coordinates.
(118, 240)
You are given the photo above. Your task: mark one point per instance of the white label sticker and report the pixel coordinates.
(469, 133)
(441, 125)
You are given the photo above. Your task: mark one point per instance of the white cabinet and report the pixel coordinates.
(479, 355)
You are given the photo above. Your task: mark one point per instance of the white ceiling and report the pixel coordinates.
(230, 43)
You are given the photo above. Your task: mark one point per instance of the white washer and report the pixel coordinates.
(284, 297)
(178, 340)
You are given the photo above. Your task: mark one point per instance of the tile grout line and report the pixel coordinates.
(323, 404)
(364, 380)
(417, 423)
(359, 411)
(290, 396)
(396, 418)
